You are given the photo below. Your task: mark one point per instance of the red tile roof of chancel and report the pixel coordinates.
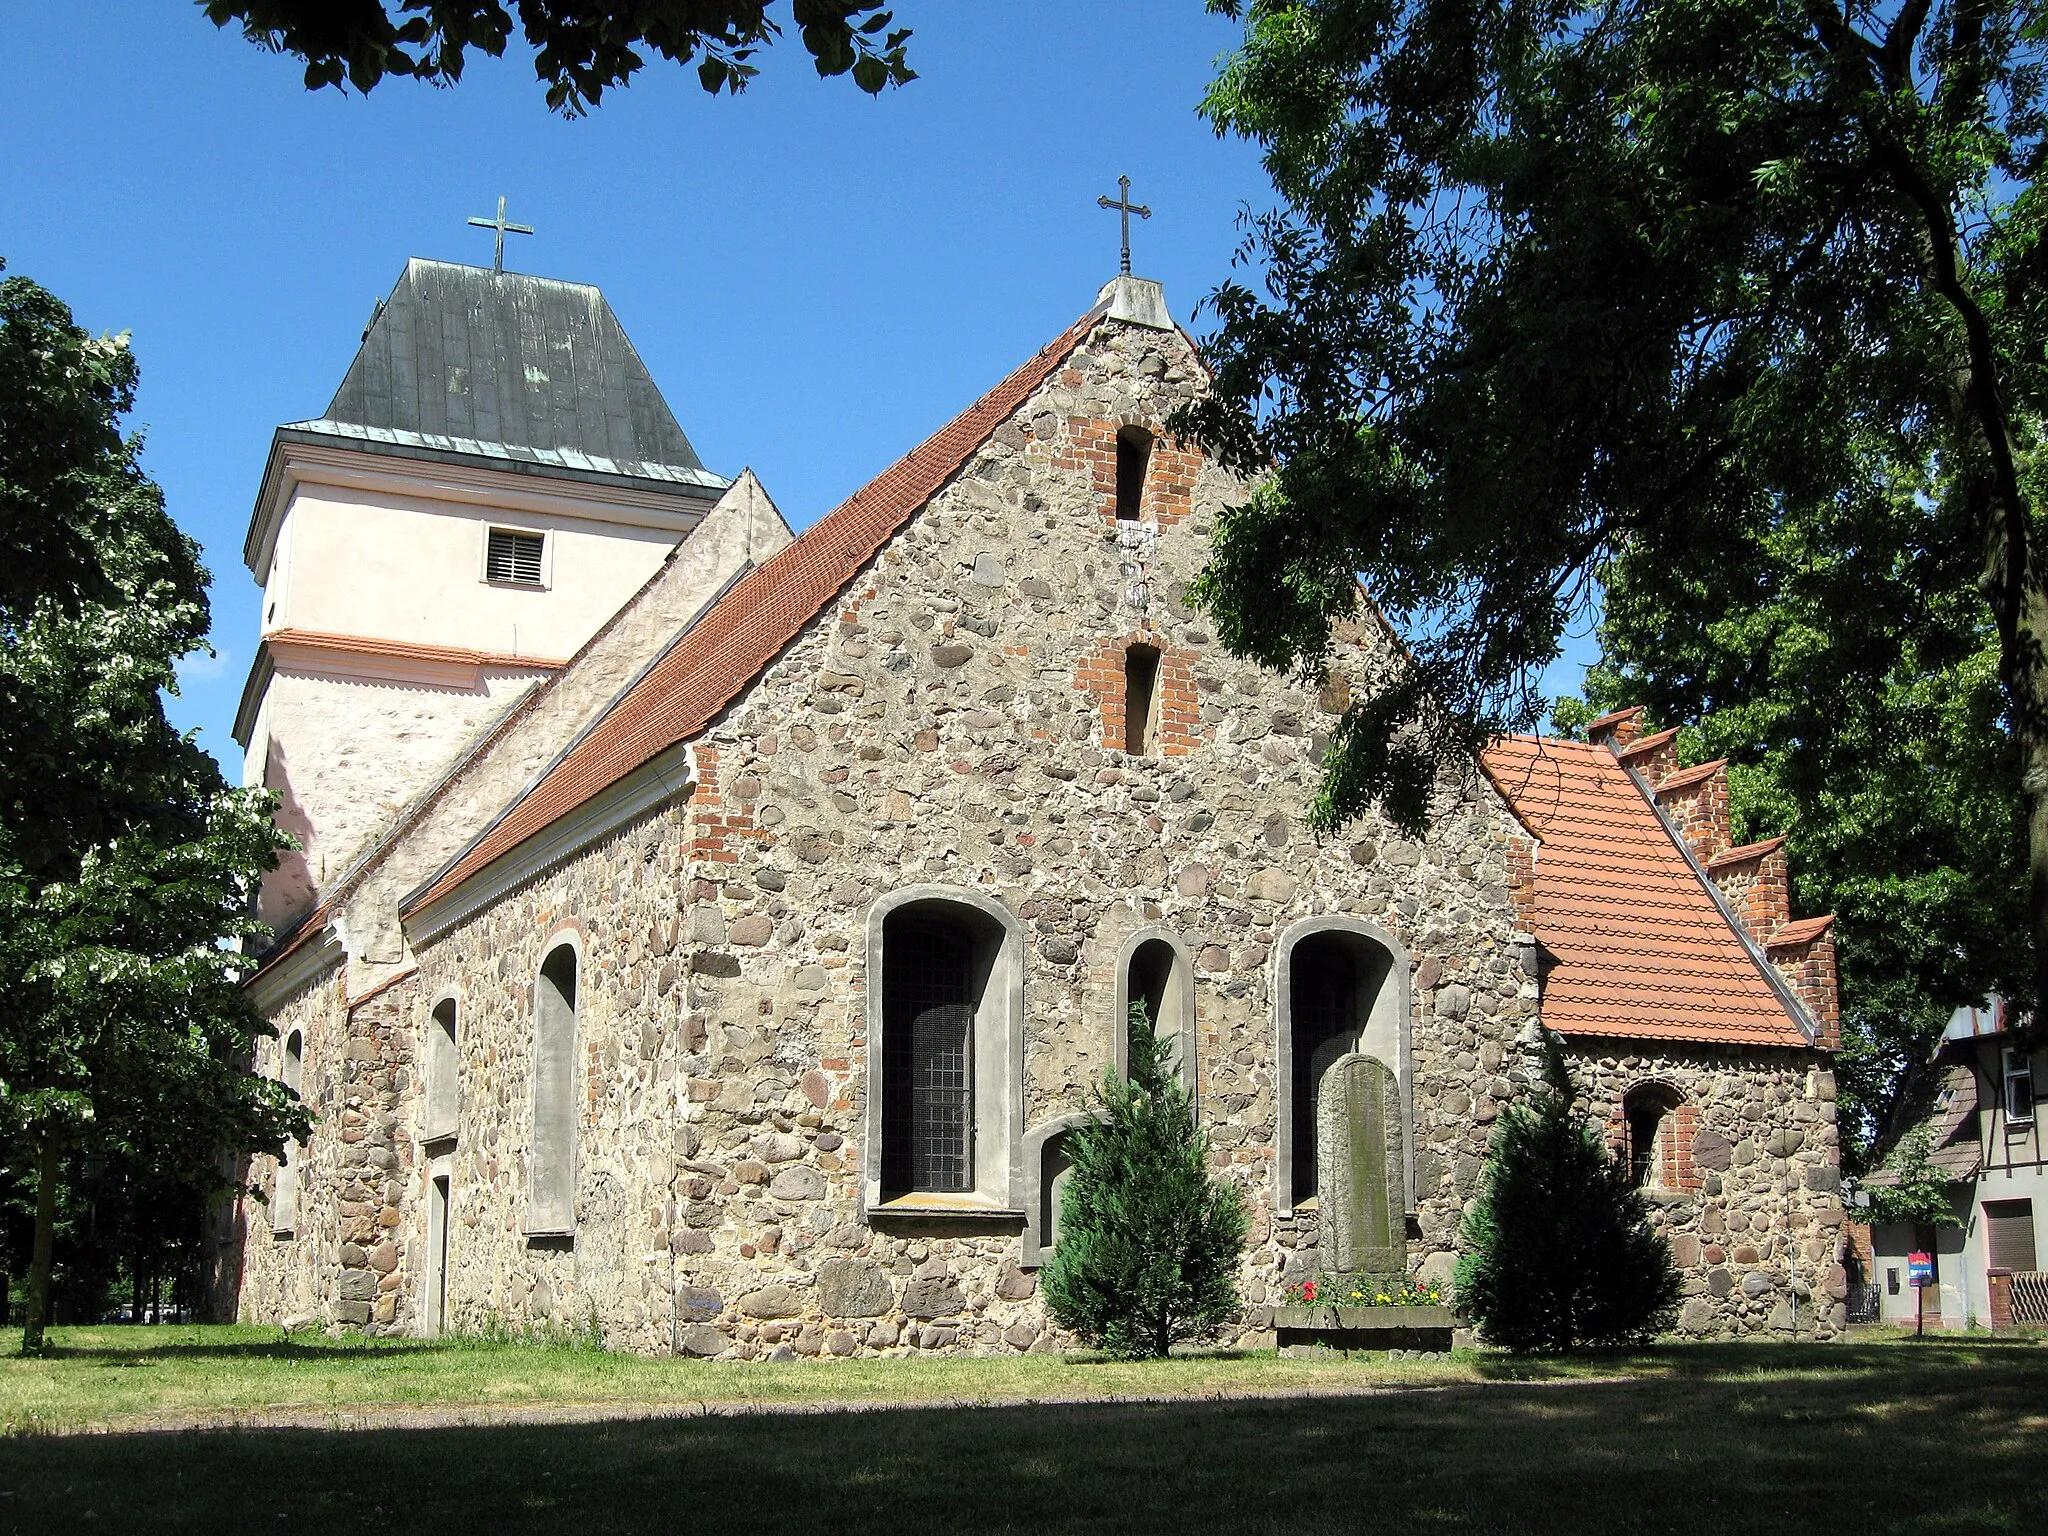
(1642, 948)
(751, 624)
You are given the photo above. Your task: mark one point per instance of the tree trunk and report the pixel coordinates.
(38, 1318)
(2012, 577)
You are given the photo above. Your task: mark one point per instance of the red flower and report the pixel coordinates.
(1308, 1291)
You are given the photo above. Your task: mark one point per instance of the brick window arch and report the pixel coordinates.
(1651, 1137)
(1146, 692)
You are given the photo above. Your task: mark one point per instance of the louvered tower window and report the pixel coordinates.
(515, 557)
(928, 1101)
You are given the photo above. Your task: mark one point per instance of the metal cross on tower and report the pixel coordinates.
(1126, 208)
(503, 229)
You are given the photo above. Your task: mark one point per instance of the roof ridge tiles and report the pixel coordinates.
(1804, 931)
(1644, 745)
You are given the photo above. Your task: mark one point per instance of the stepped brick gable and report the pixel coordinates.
(767, 952)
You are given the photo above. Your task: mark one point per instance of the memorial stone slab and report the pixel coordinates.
(1358, 1152)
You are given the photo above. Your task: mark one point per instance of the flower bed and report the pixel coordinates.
(1366, 1291)
(1350, 1312)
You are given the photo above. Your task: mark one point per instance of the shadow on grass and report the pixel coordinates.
(1952, 1438)
(1689, 1362)
(143, 1352)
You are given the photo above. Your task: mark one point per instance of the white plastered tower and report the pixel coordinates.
(496, 476)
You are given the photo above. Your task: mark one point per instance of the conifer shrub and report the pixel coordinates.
(1149, 1243)
(1559, 1251)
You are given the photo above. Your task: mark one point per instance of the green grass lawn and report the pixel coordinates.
(1934, 1437)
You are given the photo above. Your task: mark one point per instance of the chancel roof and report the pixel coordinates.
(1640, 947)
(503, 366)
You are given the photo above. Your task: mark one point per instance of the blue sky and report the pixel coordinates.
(817, 279)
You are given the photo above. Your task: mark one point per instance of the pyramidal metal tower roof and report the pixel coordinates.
(501, 366)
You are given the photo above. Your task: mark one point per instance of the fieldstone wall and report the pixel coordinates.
(1755, 1223)
(951, 720)
(352, 1171)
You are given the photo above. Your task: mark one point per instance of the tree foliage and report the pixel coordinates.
(581, 49)
(1559, 1252)
(1149, 1243)
(126, 863)
(1915, 1191)
(62, 393)
(1562, 284)
(1853, 684)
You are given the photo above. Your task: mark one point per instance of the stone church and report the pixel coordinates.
(708, 936)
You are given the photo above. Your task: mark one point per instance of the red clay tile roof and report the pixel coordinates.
(754, 621)
(1643, 951)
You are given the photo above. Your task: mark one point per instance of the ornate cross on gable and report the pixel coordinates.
(503, 229)
(1126, 208)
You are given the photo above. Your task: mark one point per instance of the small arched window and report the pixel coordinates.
(1133, 457)
(1141, 699)
(1650, 1115)
(284, 1200)
(551, 1207)
(443, 1101)
(1158, 977)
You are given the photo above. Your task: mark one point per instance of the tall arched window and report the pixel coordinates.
(1141, 699)
(945, 1053)
(284, 1199)
(442, 1098)
(1650, 1113)
(1133, 455)
(928, 1003)
(1342, 988)
(551, 1170)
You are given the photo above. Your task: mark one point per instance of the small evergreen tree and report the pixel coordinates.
(1559, 1248)
(1149, 1243)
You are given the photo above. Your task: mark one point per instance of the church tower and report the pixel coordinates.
(495, 477)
